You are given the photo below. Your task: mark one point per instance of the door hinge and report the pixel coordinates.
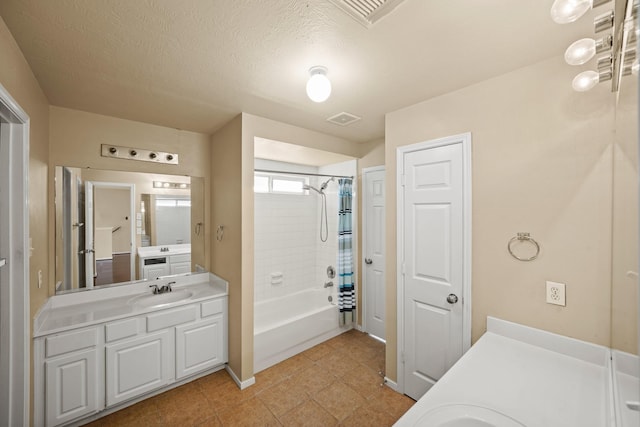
(3, 262)
(402, 180)
(402, 357)
(402, 269)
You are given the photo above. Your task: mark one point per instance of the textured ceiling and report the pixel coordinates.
(195, 64)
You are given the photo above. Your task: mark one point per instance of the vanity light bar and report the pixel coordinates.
(129, 153)
(172, 185)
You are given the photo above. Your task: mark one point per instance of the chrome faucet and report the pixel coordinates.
(328, 284)
(167, 287)
(162, 289)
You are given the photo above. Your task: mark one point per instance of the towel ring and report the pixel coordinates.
(523, 237)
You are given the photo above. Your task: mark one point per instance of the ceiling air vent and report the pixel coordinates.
(367, 12)
(343, 119)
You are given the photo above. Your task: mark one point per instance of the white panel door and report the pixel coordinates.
(199, 346)
(374, 253)
(71, 387)
(139, 365)
(433, 264)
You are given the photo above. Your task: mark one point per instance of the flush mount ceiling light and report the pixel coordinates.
(318, 86)
(566, 11)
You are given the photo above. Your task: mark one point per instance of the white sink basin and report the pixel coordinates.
(158, 300)
(461, 415)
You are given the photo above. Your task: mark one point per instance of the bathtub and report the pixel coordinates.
(286, 326)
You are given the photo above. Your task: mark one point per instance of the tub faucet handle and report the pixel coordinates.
(328, 284)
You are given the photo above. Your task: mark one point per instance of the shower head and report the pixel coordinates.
(326, 183)
(309, 187)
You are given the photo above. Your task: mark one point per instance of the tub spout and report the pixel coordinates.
(328, 284)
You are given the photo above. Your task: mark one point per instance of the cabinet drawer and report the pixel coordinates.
(170, 318)
(180, 258)
(118, 330)
(209, 308)
(70, 341)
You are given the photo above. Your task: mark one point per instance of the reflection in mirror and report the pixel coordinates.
(118, 227)
(165, 219)
(624, 289)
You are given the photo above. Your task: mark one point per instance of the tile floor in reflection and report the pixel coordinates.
(334, 383)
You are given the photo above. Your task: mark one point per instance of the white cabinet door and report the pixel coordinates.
(181, 268)
(71, 387)
(199, 346)
(139, 365)
(152, 272)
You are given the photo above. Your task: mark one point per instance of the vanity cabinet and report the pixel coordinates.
(80, 372)
(154, 271)
(71, 370)
(199, 346)
(137, 366)
(156, 263)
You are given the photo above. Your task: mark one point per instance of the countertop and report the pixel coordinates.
(155, 251)
(86, 308)
(534, 377)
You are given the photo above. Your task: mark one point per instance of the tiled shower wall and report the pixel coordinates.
(287, 234)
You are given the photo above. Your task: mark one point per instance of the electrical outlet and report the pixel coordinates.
(556, 293)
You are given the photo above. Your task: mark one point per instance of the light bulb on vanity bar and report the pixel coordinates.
(566, 11)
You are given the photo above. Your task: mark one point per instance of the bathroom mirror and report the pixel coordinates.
(624, 285)
(109, 223)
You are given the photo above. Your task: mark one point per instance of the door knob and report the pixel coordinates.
(368, 261)
(452, 299)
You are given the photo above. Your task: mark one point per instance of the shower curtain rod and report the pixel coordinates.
(301, 173)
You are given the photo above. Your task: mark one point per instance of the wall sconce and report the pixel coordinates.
(318, 85)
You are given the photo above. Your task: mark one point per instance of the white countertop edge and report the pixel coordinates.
(73, 300)
(588, 352)
(156, 251)
(626, 387)
(131, 288)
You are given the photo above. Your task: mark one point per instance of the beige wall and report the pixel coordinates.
(112, 206)
(17, 78)
(542, 164)
(624, 292)
(227, 211)
(371, 154)
(76, 136)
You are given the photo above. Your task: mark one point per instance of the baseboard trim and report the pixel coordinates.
(391, 384)
(241, 384)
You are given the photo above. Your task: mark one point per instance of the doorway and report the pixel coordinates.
(14, 263)
(373, 247)
(434, 259)
(109, 233)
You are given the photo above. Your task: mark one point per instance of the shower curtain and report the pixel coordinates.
(346, 290)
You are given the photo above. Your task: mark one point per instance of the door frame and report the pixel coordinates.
(89, 223)
(15, 341)
(465, 140)
(364, 241)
